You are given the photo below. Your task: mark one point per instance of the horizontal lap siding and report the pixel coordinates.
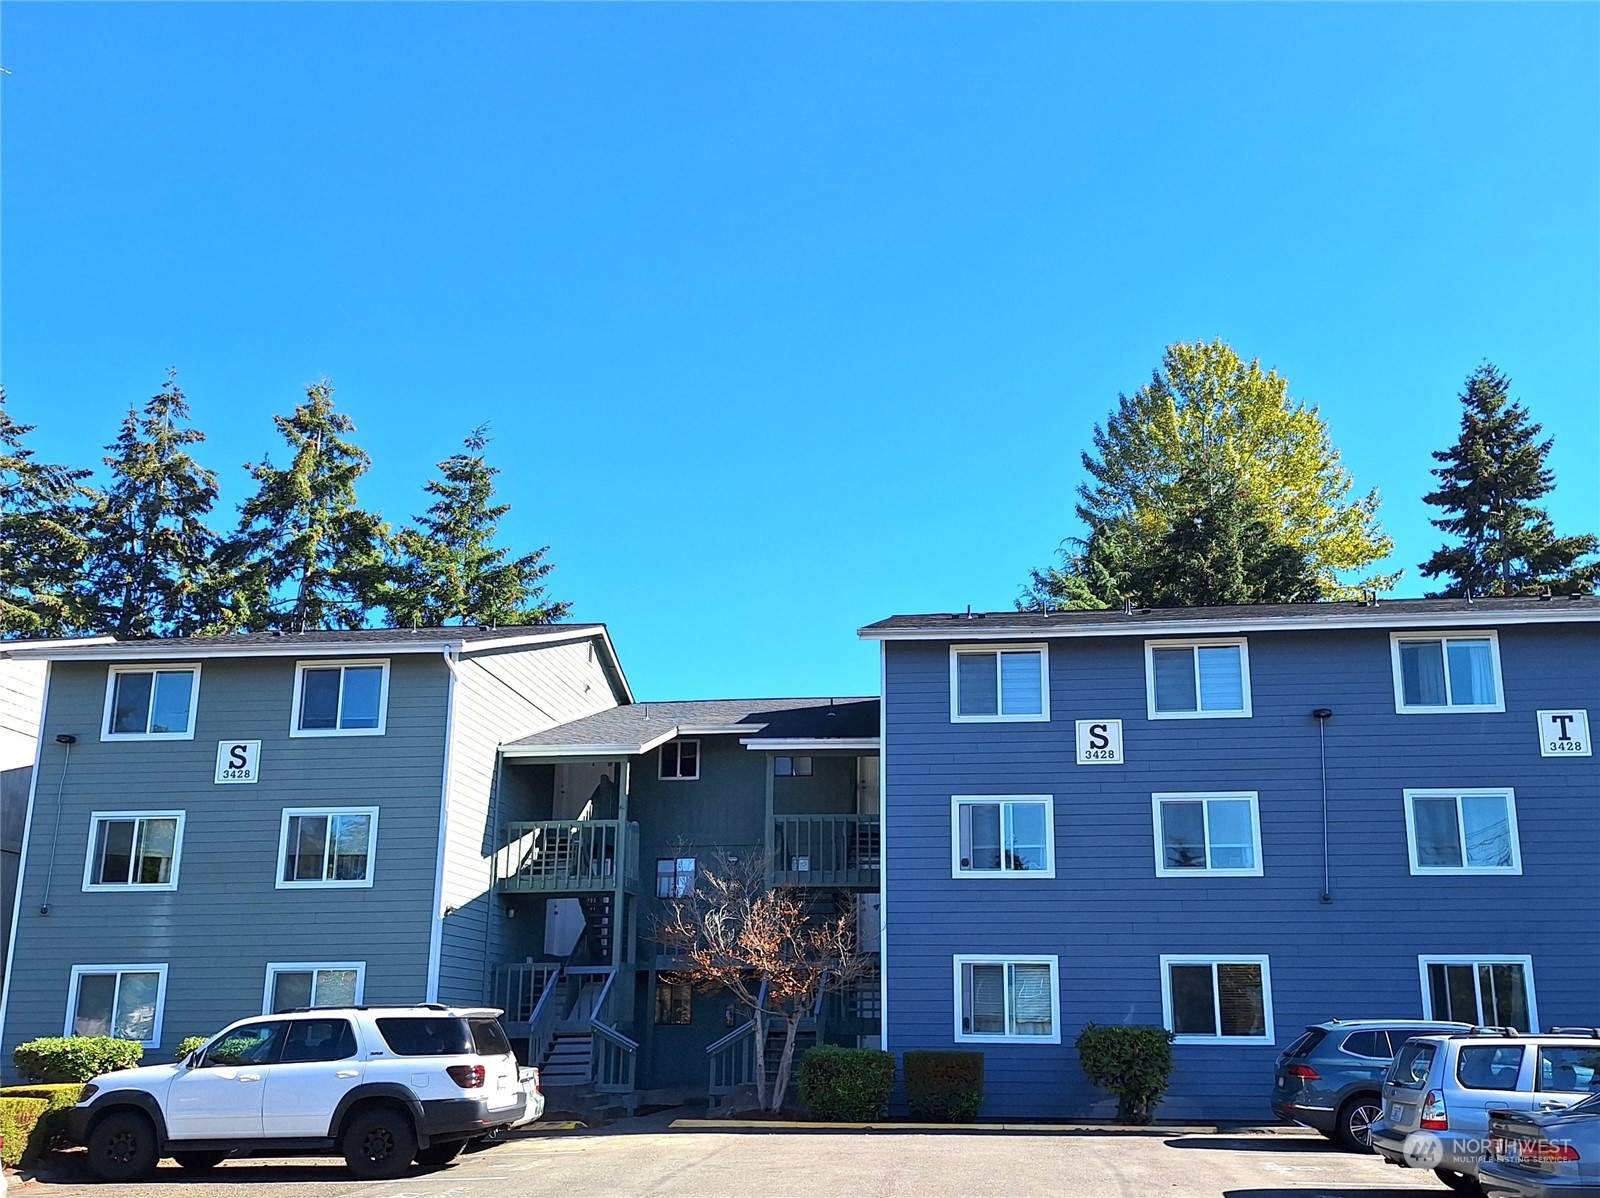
(227, 919)
(1110, 918)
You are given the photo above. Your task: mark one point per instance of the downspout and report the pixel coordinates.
(436, 932)
(1322, 715)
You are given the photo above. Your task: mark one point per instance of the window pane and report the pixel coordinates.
(1471, 672)
(1030, 999)
(976, 685)
(1244, 1007)
(157, 842)
(1025, 844)
(253, 1044)
(1571, 1070)
(136, 1006)
(363, 693)
(93, 1014)
(1183, 835)
(802, 767)
(1452, 993)
(1422, 674)
(335, 988)
(688, 758)
(1438, 834)
(130, 703)
(1487, 827)
(171, 711)
(1021, 684)
(1173, 670)
(319, 1040)
(114, 852)
(307, 851)
(1505, 995)
(1489, 1068)
(1232, 844)
(1193, 1001)
(1221, 678)
(350, 847)
(982, 850)
(986, 999)
(783, 767)
(291, 990)
(319, 699)
(669, 760)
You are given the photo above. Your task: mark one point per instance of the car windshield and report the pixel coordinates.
(1411, 1064)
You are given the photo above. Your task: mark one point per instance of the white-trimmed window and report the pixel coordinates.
(151, 703)
(674, 877)
(327, 846)
(1217, 1000)
(1491, 991)
(296, 984)
(1191, 680)
(680, 761)
(133, 850)
(349, 698)
(791, 767)
(1006, 999)
(1002, 836)
(1446, 673)
(1211, 834)
(124, 1001)
(999, 682)
(1463, 832)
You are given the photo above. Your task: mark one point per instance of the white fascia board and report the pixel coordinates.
(571, 750)
(717, 729)
(804, 744)
(160, 651)
(18, 648)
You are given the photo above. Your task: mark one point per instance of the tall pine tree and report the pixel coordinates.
(306, 556)
(449, 569)
(42, 541)
(149, 547)
(1488, 482)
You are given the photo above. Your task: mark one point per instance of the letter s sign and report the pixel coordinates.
(238, 761)
(1099, 742)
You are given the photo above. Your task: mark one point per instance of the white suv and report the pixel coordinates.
(382, 1085)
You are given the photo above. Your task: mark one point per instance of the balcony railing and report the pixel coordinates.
(567, 856)
(825, 850)
(518, 987)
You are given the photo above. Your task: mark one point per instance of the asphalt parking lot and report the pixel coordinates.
(646, 1158)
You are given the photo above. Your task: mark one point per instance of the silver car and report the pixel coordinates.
(1553, 1154)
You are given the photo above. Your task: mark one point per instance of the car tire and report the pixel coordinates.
(436, 1156)
(122, 1146)
(379, 1143)
(199, 1162)
(1461, 1183)
(1358, 1113)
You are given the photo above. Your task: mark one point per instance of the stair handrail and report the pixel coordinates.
(605, 993)
(542, 1021)
(743, 1029)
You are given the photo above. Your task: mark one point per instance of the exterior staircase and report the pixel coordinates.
(568, 1062)
(598, 921)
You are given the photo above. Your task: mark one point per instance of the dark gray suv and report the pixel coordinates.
(1331, 1078)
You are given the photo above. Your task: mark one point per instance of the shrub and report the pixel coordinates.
(19, 1122)
(846, 1085)
(188, 1044)
(1134, 1063)
(74, 1058)
(51, 1130)
(944, 1086)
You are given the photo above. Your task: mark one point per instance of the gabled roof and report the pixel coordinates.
(17, 648)
(639, 727)
(1383, 613)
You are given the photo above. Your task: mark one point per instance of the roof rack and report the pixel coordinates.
(389, 1006)
(1486, 1030)
(1592, 1032)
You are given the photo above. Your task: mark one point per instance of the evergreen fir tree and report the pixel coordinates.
(149, 547)
(1488, 482)
(449, 569)
(41, 539)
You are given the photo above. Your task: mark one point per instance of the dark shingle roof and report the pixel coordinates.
(638, 724)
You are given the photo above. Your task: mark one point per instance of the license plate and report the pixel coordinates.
(1397, 1112)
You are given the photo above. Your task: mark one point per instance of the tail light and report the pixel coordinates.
(1548, 1153)
(1304, 1072)
(1433, 1112)
(468, 1077)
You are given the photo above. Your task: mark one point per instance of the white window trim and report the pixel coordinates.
(1049, 959)
(1214, 959)
(1164, 871)
(1240, 642)
(89, 884)
(956, 869)
(1040, 647)
(1400, 705)
(325, 884)
(274, 968)
(79, 971)
(325, 663)
(661, 760)
(152, 669)
(1425, 960)
(1504, 792)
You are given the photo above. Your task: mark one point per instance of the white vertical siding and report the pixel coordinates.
(21, 698)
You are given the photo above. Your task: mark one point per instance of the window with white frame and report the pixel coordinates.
(1009, 682)
(1488, 991)
(124, 1001)
(674, 877)
(1208, 1000)
(1446, 673)
(343, 699)
(151, 703)
(1197, 679)
(1000, 998)
(1002, 836)
(133, 850)
(291, 986)
(1463, 832)
(680, 760)
(1213, 834)
(791, 767)
(323, 846)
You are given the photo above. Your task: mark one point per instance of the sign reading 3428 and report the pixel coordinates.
(1565, 733)
(1099, 742)
(238, 761)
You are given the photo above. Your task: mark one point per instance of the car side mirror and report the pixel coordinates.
(192, 1061)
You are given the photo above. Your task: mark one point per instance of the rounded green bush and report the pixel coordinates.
(74, 1058)
(188, 1044)
(846, 1085)
(1133, 1063)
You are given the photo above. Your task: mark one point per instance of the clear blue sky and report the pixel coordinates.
(789, 318)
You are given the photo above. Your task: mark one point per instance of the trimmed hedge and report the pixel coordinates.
(51, 1130)
(74, 1058)
(19, 1126)
(846, 1085)
(1133, 1063)
(944, 1086)
(187, 1045)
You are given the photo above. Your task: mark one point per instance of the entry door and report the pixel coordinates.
(222, 1096)
(319, 1066)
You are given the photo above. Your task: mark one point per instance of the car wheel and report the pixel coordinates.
(379, 1144)
(1461, 1183)
(1356, 1117)
(436, 1155)
(122, 1146)
(199, 1162)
